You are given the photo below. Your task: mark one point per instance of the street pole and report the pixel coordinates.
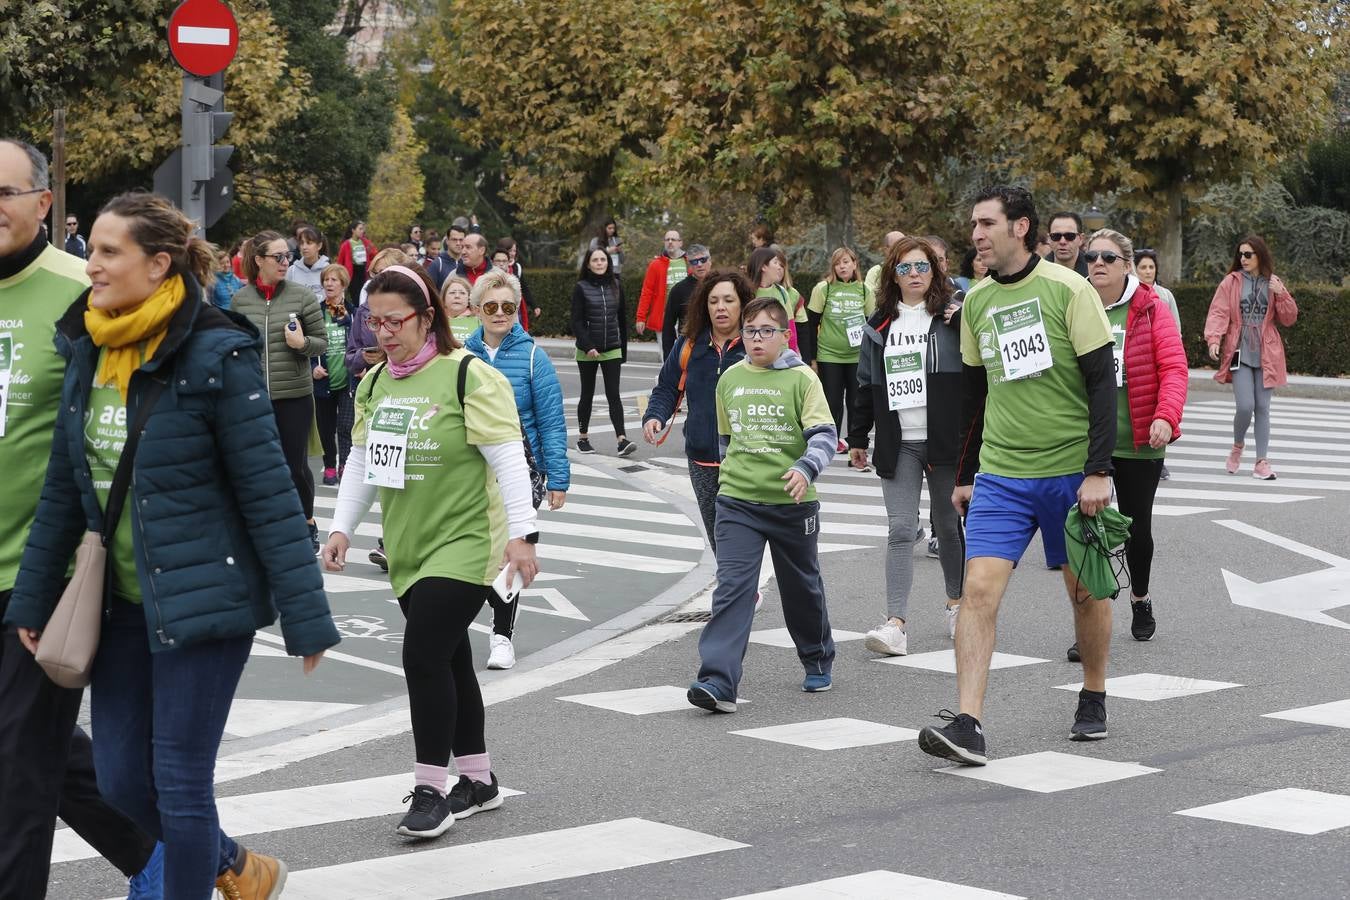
(58, 179)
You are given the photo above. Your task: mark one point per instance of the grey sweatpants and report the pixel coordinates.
(1251, 395)
(901, 494)
(792, 531)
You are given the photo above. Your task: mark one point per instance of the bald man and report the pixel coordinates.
(873, 279)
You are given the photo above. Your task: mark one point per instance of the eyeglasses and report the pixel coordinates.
(280, 259)
(762, 334)
(903, 269)
(392, 324)
(1246, 254)
(1106, 256)
(9, 193)
(506, 306)
(1063, 235)
(701, 260)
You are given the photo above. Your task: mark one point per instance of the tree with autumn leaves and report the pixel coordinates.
(810, 104)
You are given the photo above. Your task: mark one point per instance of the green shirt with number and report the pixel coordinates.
(842, 305)
(1036, 426)
(448, 520)
(766, 412)
(31, 373)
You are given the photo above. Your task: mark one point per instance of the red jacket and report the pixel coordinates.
(1156, 373)
(651, 309)
(1224, 326)
(344, 258)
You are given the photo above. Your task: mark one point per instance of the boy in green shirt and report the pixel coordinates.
(777, 437)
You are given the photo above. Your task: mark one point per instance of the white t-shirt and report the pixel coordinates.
(910, 330)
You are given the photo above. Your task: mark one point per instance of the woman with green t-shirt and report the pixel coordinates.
(434, 426)
(459, 308)
(332, 384)
(600, 324)
(837, 314)
(768, 273)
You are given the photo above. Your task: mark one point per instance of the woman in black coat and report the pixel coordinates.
(600, 324)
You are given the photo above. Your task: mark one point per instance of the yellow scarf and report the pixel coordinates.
(122, 331)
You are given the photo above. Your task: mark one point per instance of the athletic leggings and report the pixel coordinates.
(1251, 396)
(1136, 483)
(443, 694)
(705, 480)
(335, 417)
(901, 496)
(294, 416)
(840, 381)
(610, 369)
(503, 614)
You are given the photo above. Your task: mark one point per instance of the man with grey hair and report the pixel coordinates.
(46, 762)
(873, 277)
(677, 301)
(663, 273)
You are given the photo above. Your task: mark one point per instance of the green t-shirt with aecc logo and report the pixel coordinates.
(463, 327)
(105, 434)
(766, 412)
(790, 299)
(676, 272)
(31, 374)
(336, 359)
(448, 520)
(1035, 426)
(843, 305)
(1118, 316)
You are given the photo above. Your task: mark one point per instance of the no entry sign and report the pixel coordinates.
(203, 36)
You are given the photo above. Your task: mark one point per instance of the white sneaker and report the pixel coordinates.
(503, 655)
(890, 639)
(759, 602)
(949, 613)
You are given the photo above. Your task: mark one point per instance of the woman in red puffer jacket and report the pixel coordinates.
(1151, 374)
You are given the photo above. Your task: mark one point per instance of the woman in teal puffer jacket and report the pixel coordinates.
(210, 544)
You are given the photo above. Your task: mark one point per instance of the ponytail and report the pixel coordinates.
(255, 247)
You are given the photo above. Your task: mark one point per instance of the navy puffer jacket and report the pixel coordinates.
(706, 365)
(220, 540)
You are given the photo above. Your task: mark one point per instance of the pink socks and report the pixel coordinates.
(435, 776)
(478, 767)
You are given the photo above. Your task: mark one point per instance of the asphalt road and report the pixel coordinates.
(1225, 775)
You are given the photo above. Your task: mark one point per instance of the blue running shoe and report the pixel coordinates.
(815, 684)
(704, 696)
(148, 883)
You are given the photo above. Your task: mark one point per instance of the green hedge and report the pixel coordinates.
(1318, 344)
(1315, 345)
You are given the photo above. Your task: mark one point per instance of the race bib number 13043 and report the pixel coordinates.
(1022, 343)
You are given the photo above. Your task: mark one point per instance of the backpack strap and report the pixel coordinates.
(462, 378)
(117, 494)
(685, 352)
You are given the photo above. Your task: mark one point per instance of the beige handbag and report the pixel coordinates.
(66, 650)
(69, 641)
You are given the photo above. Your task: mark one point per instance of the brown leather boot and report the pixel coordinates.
(252, 877)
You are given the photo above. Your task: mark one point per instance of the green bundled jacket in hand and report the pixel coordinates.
(1092, 541)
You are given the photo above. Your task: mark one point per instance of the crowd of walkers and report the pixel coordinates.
(1028, 384)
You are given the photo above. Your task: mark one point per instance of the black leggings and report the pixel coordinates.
(294, 416)
(840, 381)
(1136, 483)
(443, 692)
(610, 368)
(335, 417)
(503, 614)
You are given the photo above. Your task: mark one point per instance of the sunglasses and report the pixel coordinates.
(392, 324)
(699, 260)
(1106, 256)
(1063, 235)
(903, 269)
(762, 334)
(506, 306)
(1246, 254)
(280, 259)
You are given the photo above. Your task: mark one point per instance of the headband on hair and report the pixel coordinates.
(404, 270)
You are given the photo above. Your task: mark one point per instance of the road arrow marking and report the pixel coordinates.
(1306, 596)
(558, 605)
(1280, 540)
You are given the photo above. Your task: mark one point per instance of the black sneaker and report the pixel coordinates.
(430, 815)
(1142, 625)
(627, 447)
(584, 446)
(468, 797)
(314, 536)
(378, 558)
(962, 740)
(1089, 722)
(1074, 656)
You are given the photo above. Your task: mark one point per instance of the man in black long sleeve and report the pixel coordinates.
(1039, 418)
(700, 264)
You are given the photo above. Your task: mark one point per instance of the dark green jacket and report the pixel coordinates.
(287, 371)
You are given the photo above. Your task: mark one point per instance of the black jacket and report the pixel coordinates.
(599, 316)
(677, 301)
(944, 395)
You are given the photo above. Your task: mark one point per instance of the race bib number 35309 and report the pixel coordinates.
(906, 383)
(1022, 343)
(387, 445)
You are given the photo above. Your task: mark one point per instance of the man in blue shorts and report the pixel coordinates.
(1039, 414)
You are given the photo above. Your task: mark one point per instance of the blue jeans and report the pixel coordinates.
(157, 722)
